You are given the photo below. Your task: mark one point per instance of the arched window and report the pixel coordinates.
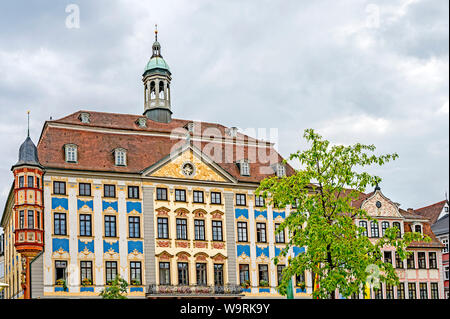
(363, 224)
(399, 232)
(374, 229)
(384, 226)
(152, 90)
(161, 90)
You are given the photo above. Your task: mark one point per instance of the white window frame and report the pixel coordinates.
(281, 170)
(244, 166)
(71, 152)
(445, 242)
(120, 157)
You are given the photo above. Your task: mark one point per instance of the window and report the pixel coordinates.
(423, 290)
(374, 229)
(21, 219)
(418, 228)
(85, 225)
(181, 228)
(216, 198)
(379, 292)
(38, 182)
(240, 200)
(244, 274)
(71, 153)
(259, 201)
(261, 232)
(244, 168)
(164, 273)
(134, 227)
(384, 226)
(135, 272)
(163, 228)
(279, 236)
(59, 223)
(242, 231)
(111, 271)
(280, 273)
(388, 257)
(363, 224)
(109, 190)
(218, 274)
(30, 181)
(201, 274)
(60, 270)
(183, 274)
(421, 260)
(263, 275)
(410, 263)
(120, 156)
(412, 290)
(217, 230)
(110, 226)
(434, 290)
(389, 292)
(133, 192)
(281, 170)
(199, 228)
(446, 273)
(180, 195)
(432, 260)
(38, 220)
(299, 279)
(445, 242)
(86, 271)
(161, 193)
(59, 188)
(401, 291)
(398, 261)
(84, 189)
(399, 233)
(198, 197)
(30, 222)
(21, 181)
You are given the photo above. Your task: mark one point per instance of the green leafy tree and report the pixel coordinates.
(116, 289)
(322, 191)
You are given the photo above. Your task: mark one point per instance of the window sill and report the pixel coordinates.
(111, 238)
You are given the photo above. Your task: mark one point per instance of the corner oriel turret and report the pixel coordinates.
(28, 208)
(156, 80)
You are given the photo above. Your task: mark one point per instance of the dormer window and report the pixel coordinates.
(85, 117)
(141, 122)
(71, 153)
(280, 170)
(231, 132)
(120, 156)
(418, 228)
(244, 167)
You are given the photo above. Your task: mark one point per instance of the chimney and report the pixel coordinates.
(410, 210)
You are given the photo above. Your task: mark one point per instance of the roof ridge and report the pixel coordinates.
(441, 202)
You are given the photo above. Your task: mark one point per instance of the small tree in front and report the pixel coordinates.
(116, 289)
(322, 192)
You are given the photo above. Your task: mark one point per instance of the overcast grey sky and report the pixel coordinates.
(374, 72)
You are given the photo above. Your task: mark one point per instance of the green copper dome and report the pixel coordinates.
(157, 62)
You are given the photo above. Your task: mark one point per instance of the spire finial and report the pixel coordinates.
(156, 32)
(28, 131)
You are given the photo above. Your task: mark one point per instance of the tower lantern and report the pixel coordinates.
(156, 80)
(28, 208)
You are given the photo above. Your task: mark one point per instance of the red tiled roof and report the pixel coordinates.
(95, 148)
(431, 212)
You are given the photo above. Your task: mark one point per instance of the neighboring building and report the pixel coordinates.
(438, 215)
(420, 275)
(160, 201)
(2, 266)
